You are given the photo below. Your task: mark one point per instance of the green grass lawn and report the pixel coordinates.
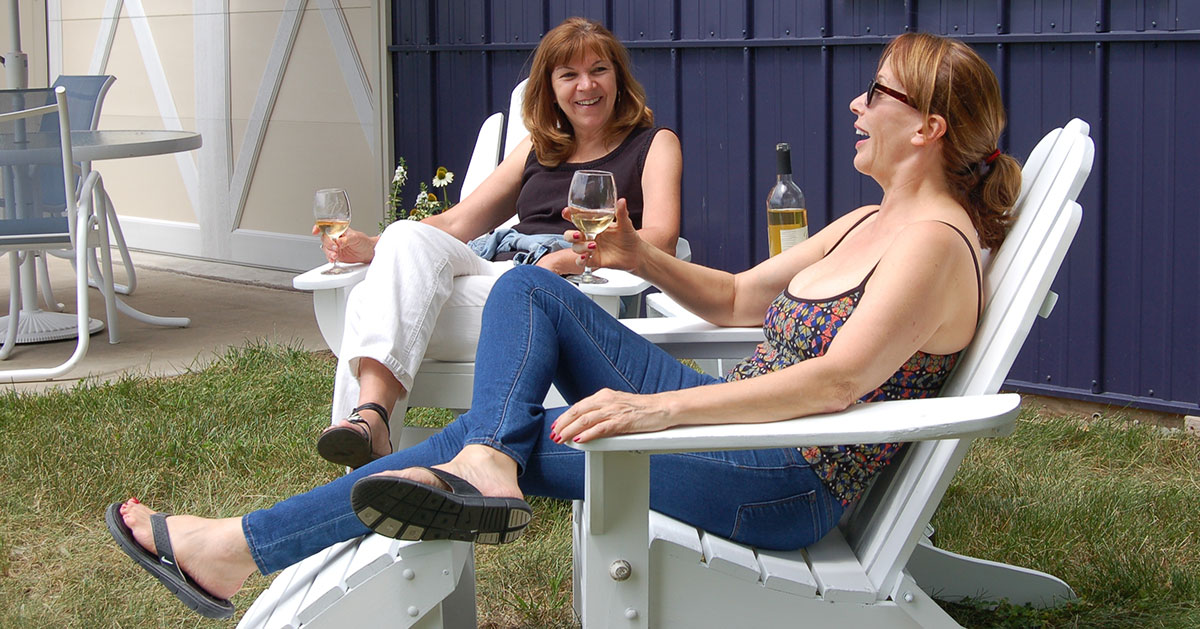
(1111, 507)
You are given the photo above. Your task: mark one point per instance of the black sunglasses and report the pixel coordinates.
(874, 86)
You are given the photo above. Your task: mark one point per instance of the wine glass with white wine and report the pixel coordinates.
(593, 203)
(331, 208)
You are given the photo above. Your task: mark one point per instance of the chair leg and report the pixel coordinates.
(102, 270)
(922, 609)
(953, 577)
(14, 305)
(81, 319)
(43, 273)
(130, 274)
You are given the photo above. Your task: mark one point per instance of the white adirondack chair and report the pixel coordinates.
(875, 569)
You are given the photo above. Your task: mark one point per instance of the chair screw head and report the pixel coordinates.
(408, 574)
(631, 614)
(414, 612)
(908, 597)
(620, 570)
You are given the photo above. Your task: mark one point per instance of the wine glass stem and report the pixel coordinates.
(587, 264)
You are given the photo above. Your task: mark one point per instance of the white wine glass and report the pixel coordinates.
(593, 203)
(331, 208)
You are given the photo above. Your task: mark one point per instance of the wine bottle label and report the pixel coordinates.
(791, 237)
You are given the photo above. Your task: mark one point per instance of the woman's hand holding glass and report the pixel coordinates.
(593, 201)
(352, 247)
(331, 209)
(618, 247)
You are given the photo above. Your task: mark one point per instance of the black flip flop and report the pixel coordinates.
(349, 445)
(405, 509)
(163, 566)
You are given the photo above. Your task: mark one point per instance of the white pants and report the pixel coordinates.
(422, 297)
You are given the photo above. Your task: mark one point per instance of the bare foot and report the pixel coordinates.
(212, 552)
(381, 444)
(490, 471)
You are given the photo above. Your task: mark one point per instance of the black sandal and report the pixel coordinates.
(406, 509)
(350, 445)
(163, 565)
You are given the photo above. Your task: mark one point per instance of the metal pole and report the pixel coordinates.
(16, 63)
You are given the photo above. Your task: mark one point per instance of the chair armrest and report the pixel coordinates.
(902, 420)
(329, 298)
(613, 521)
(693, 337)
(313, 279)
(620, 284)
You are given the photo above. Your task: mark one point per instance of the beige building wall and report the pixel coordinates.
(289, 96)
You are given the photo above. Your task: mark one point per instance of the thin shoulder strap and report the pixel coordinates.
(852, 227)
(978, 274)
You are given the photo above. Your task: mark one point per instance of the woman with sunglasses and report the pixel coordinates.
(878, 305)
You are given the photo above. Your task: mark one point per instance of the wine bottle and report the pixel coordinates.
(787, 217)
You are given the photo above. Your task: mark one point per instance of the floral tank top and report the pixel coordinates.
(797, 329)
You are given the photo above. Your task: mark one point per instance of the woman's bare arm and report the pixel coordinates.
(718, 296)
(492, 203)
(922, 296)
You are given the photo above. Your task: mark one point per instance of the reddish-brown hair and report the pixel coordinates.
(944, 76)
(552, 134)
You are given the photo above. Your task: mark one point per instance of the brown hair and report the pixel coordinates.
(552, 134)
(945, 77)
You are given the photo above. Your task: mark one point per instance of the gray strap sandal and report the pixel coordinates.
(163, 566)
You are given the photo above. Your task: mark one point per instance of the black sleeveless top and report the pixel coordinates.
(544, 190)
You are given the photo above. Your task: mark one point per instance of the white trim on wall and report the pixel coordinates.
(260, 115)
(162, 93)
(248, 246)
(105, 38)
(213, 112)
(353, 73)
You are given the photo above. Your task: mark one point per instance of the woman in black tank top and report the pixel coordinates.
(584, 109)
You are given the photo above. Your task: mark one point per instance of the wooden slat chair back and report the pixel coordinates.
(1016, 283)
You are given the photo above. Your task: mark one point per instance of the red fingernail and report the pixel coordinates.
(553, 436)
(135, 501)
(591, 245)
(575, 236)
(576, 440)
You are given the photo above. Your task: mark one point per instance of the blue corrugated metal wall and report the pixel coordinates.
(735, 77)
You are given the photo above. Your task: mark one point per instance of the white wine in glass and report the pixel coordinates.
(593, 203)
(331, 208)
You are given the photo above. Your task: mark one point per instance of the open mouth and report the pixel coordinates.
(590, 101)
(861, 133)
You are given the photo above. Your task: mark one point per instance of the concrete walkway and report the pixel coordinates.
(253, 305)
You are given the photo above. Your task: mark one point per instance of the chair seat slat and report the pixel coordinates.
(839, 575)
(729, 558)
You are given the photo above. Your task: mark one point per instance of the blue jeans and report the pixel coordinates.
(539, 329)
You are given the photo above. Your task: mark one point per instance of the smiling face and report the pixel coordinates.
(885, 128)
(585, 88)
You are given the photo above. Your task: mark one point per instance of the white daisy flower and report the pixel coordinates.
(443, 178)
